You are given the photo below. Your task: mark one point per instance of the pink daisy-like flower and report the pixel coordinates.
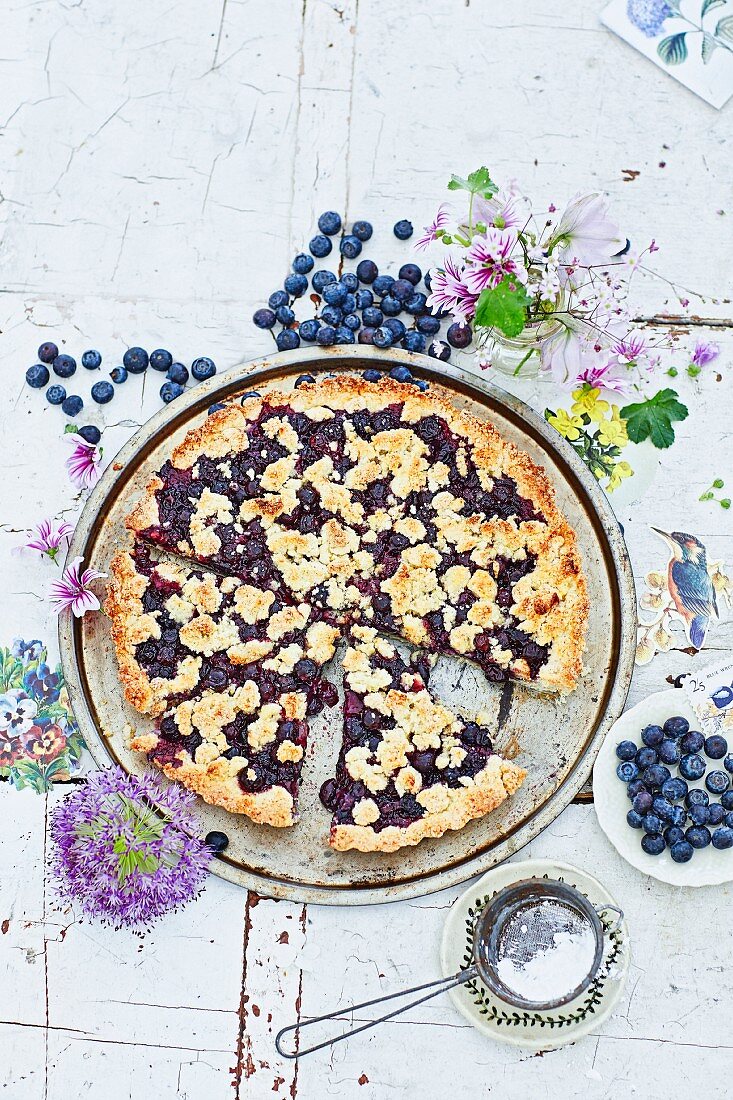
(84, 462)
(610, 375)
(705, 352)
(430, 233)
(448, 291)
(73, 591)
(490, 257)
(47, 537)
(630, 349)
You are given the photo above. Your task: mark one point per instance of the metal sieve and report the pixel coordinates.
(518, 923)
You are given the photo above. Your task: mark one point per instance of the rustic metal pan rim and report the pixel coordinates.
(325, 360)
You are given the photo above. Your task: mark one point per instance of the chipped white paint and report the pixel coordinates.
(160, 164)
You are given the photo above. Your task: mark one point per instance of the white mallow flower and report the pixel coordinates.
(564, 355)
(549, 283)
(586, 232)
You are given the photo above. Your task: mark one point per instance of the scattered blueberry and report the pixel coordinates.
(681, 851)
(634, 819)
(351, 320)
(391, 306)
(264, 318)
(345, 335)
(428, 324)
(669, 752)
(626, 750)
(285, 315)
(402, 289)
(296, 285)
(320, 246)
(646, 756)
(416, 304)
(402, 230)
(382, 337)
(203, 368)
(90, 433)
(118, 375)
(303, 263)
(674, 789)
(459, 336)
(349, 303)
(716, 814)
(676, 726)
(728, 763)
(64, 366)
(72, 406)
(160, 359)
(329, 222)
(350, 246)
(91, 360)
(696, 797)
(278, 298)
(362, 230)
(169, 391)
(364, 299)
(326, 335)
(396, 327)
(302, 379)
(402, 374)
(438, 350)
(322, 278)
(698, 836)
(411, 272)
(723, 837)
(382, 284)
(55, 395)
(309, 329)
(332, 315)
(692, 742)
(626, 771)
(287, 340)
(216, 841)
(692, 766)
(716, 746)
(427, 280)
(372, 316)
(102, 392)
(366, 335)
(414, 341)
(178, 373)
(334, 293)
(37, 376)
(653, 844)
(47, 352)
(372, 375)
(136, 360)
(367, 271)
(350, 281)
(652, 736)
(717, 782)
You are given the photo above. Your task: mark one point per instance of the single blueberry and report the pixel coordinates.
(285, 315)
(692, 741)
(350, 281)
(329, 222)
(652, 736)
(351, 320)
(674, 789)
(692, 766)
(411, 272)
(696, 797)
(37, 376)
(428, 324)
(177, 373)
(723, 837)
(287, 340)
(402, 289)
(698, 836)
(681, 851)
(215, 408)
(278, 298)
(303, 263)
(728, 763)
(364, 298)
(642, 802)
(627, 770)
(653, 843)
(160, 359)
(249, 394)
(676, 726)
(726, 799)
(716, 814)
(636, 786)
(309, 329)
(404, 374)
(438, 350)
(362, 230)
(350, 246)
(427, 280)
(55, 395)
(382, 337)
(332, 315)
(264, 318)
(72, 406)
(646, 756)
(699, 815)
(102, 392)
(203, 368)
(372, 376)
(319, 246)
(64, 366)
(169, 391)
(673, 834)
(334, 294)
(459, 336)
(396, 327)
(304, 379)
(90, 433)
(729, 819)
(662, 808)
(717, 782)
(345, 335)
(366, 335)
(634, 819)
(326, 335)
(716, 746)
(296, 285)
(349, 303)
(47, 352)
(136, 360)
(91, 360)
(656, 774)
(321, 279)
(414, 341)
(626, 750)
(382, 284)
(402, 230)
(390, 306)
(669, 752)
(367, 271)
(679, 815)
(372, 316)
(416, 304)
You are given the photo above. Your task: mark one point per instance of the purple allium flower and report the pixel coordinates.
(47, 537)
(586, 233)
(490, 257)
(120, 859)
(83, 462)
(705, 352)
(448, 290)
(73, 590)
(430, 233)
(648, 15)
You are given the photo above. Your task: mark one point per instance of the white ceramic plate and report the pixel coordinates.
(708, 866)
(535, 1030)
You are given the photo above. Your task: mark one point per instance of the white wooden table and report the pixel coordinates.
(161, 163)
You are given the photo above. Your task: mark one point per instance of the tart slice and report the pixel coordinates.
(408, 767)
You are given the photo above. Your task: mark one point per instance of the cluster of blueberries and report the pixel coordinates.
(359, 305)
(672, 813)
(134, 361)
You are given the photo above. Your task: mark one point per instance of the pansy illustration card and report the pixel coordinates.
(691, 39)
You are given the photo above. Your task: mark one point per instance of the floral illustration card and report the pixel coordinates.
(691, 39)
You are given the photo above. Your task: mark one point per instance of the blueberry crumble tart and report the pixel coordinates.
(343, 507)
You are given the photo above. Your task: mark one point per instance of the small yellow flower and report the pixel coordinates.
(566, 425)
(612, 433)
(721, 583)
(620, 471)
(656, 580)
(651, 601)
(644, 652)
(662, 639)
(587, 401)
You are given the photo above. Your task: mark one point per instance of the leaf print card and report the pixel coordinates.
(692, 40)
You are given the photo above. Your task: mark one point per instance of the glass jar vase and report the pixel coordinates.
(517, 356)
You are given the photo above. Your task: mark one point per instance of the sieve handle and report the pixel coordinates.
(611, 909)
(436, 987)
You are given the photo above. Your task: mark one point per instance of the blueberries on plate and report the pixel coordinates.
(655, 775)
(716, 746)
(676, 726)
(669, 751)
(653, 844)
(696, 797)
(698, 836)
(646, 756)
(652, 736)
(716, 814)
(692, 766)
(674, 789)
(681, 851)
(723, 837)
(717, 782)
(692, 741)
(634, 819)
(642, 801)
(699, 815)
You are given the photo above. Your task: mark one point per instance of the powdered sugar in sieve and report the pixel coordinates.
(545, 949)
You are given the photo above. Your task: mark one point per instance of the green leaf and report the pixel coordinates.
(71, 429)
(652, 419)
(708, 5)
(503, 307)
(708, 47)
(478, 183)
(673, 49)
(724, 29)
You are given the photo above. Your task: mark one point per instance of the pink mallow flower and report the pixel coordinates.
(430, 232)
(73, 591)
(586, 233)
(47, 537)
(504, 210)
(491, 261)
(448, 291)
(83, 463)
(704, 353)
